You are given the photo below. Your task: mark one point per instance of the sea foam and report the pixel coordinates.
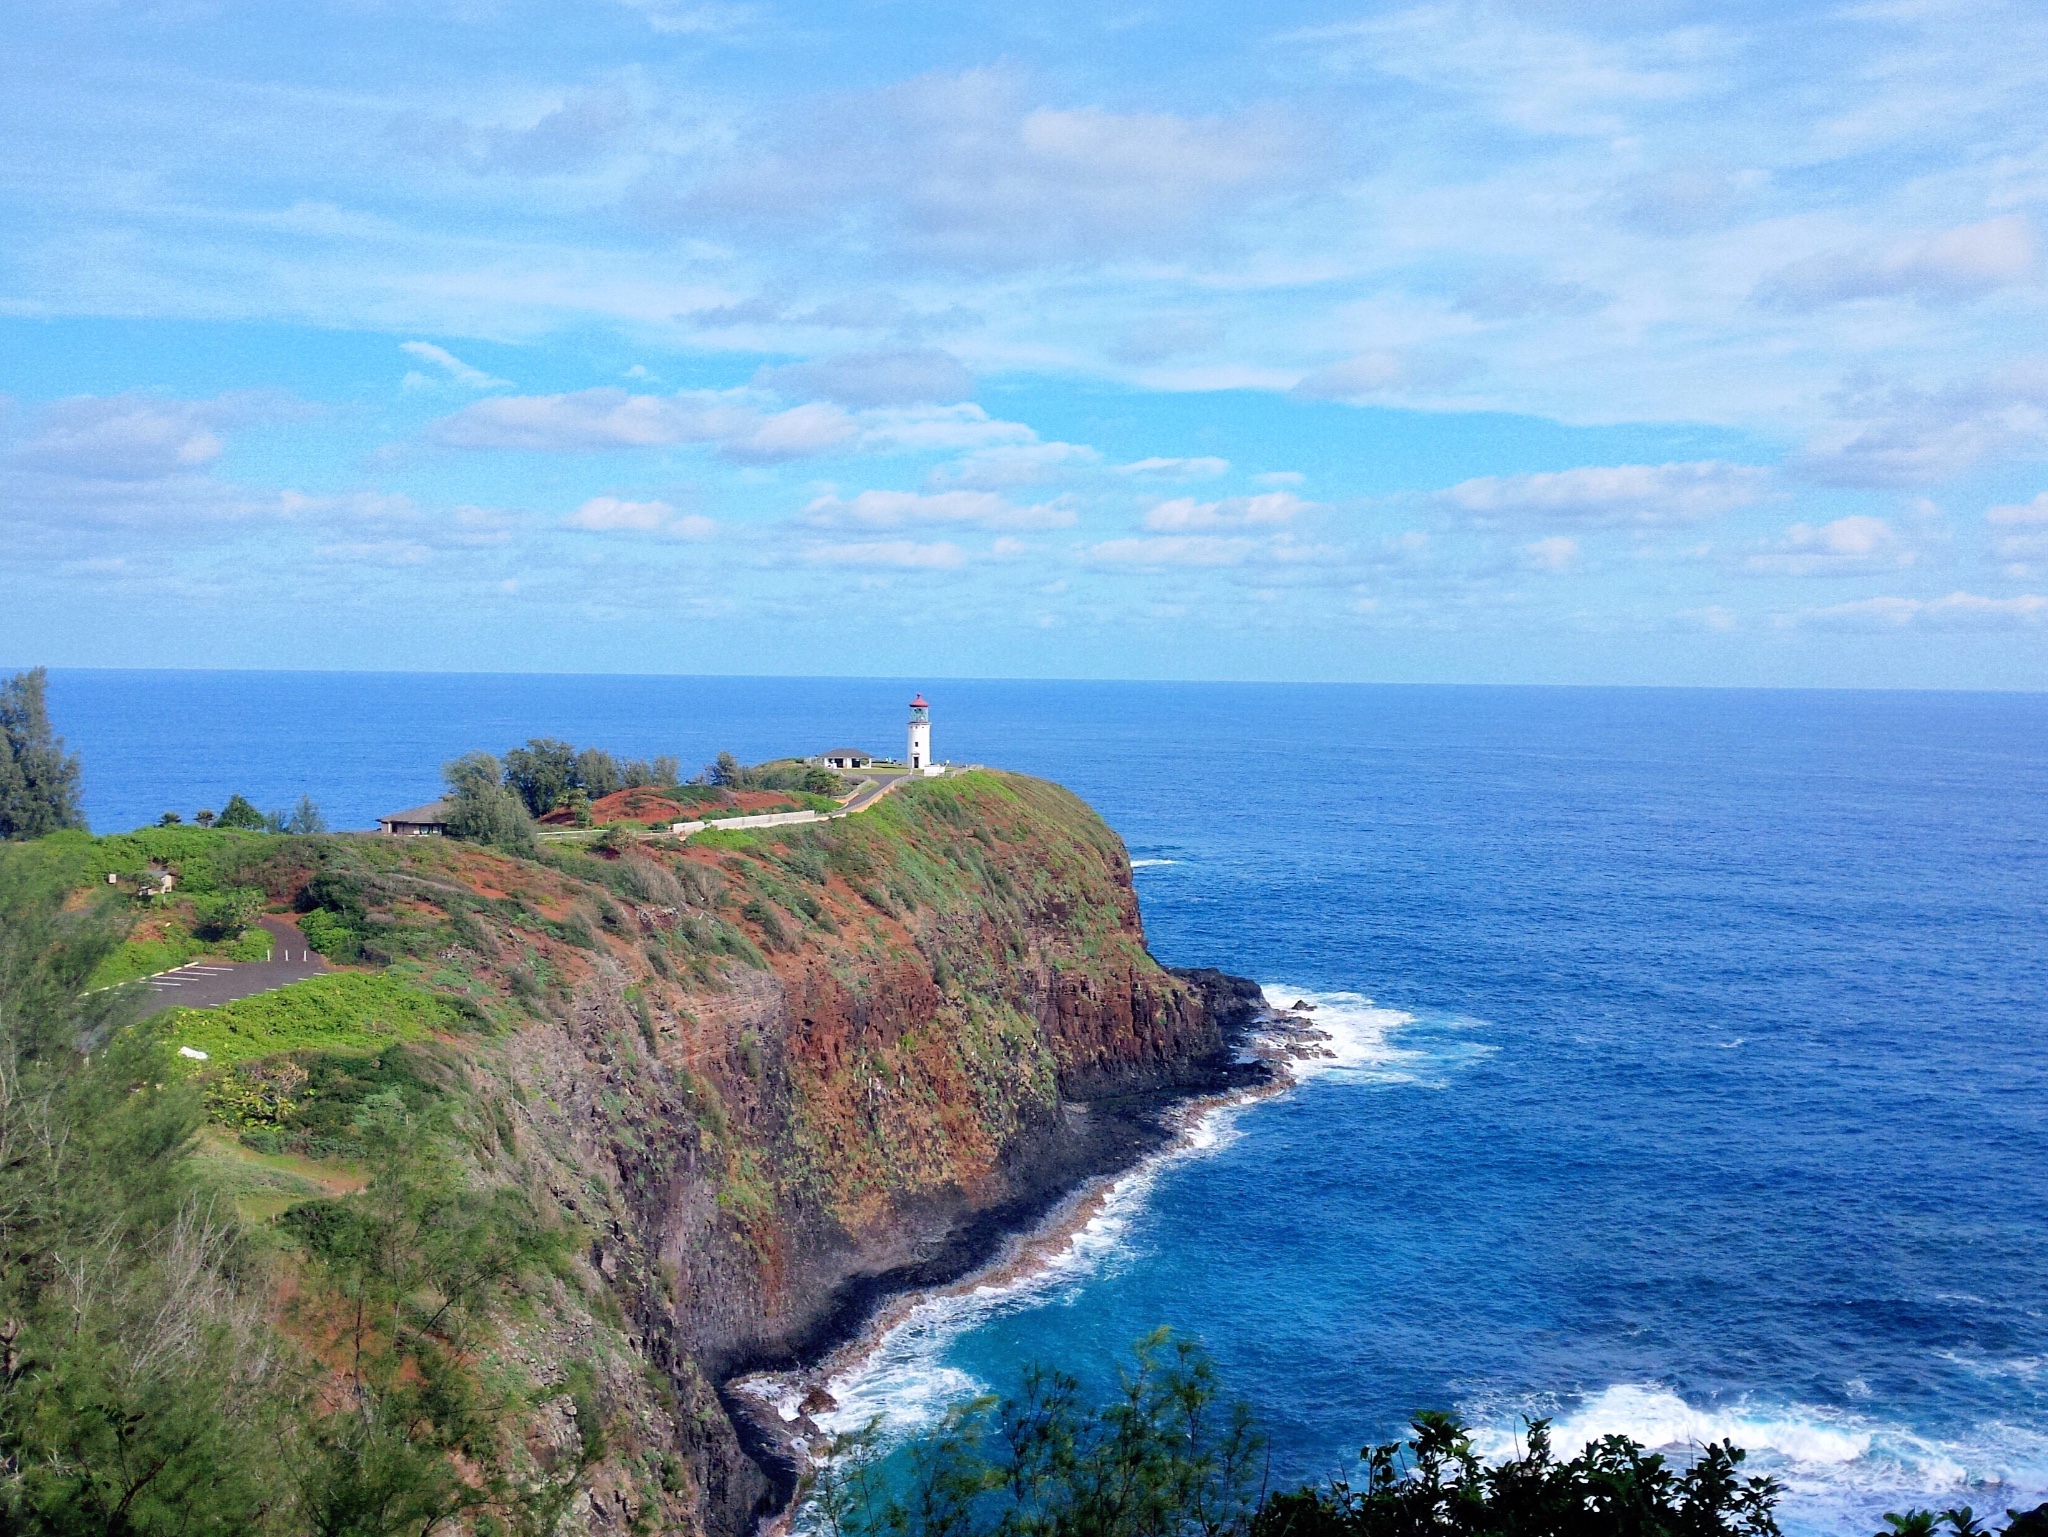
(1840, 1470)
(1361, 1044)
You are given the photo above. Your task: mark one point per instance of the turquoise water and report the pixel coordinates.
(1693, 1046)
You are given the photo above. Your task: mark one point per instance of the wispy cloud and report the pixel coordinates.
(1953, 265)
(452, 366)
(611, 514)
(1643, 495)
(898, 554)
(907, 509)
(1959, 610)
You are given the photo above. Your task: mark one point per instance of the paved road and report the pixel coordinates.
(876, 787)
(203, 984)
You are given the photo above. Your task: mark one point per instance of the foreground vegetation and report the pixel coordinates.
(1166, 1456)
(143, 1387)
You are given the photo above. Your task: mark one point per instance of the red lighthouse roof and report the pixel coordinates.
(919, 703)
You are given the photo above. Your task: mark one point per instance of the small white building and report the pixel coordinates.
(918, 756)
(846, 758)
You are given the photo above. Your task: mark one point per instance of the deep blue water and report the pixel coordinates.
(1703, 1087)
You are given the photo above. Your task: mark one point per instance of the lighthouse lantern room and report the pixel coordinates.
(919, 755)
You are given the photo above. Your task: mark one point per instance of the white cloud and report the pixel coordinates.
(904, 554)
(1185, 514)
(1643, 495)
(964, 169)
(1542, 79)
(394, 554)
(597, 420)
(906, 509)
(452, 366)
(1186, 550)
(1007, 465)
(1959, 610)
(587, 420)
(1843, 547)
(1902, 436)
(1204, 468)
(909, 377)
(1158, 337)
(798, 433)
(2029, 546)
(1555, 555)
(125, 437)
(1213, 550)
(1372, 375)
(1956, 264)
(611, 514)
(921, 428)
(2019, 514)
(699, 18)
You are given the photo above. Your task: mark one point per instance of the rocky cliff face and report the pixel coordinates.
(773, 1077)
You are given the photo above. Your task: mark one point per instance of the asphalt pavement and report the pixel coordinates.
(205, 984)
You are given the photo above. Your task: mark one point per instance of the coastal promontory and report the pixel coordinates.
(744, 1084)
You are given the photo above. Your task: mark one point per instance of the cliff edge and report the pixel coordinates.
(764, 1078)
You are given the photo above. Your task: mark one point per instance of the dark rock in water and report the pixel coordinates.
(1302, 1006)
(1233, 1002)
(818, 1401)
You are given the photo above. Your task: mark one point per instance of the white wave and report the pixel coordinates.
(1152, 864)
(2025, 1368)
(1659, 1418)
(1841, 1470)
(1362, 1044)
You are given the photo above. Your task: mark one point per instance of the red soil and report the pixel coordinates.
(644, 803)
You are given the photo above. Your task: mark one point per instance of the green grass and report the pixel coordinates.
(347, 1011)
(146, 957)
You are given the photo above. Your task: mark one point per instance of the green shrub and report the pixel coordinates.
(225, 914)
(1163, 1454)
(347, 1010)
(332, 935)
(254, 945)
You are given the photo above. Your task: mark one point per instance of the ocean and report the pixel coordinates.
(1692, 1046)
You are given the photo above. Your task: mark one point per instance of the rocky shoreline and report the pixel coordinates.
(1063, 1176)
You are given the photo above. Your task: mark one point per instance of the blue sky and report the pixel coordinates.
(1592, 342)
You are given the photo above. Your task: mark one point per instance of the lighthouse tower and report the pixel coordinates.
(919, 755)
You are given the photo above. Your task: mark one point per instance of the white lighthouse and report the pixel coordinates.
(919, 754)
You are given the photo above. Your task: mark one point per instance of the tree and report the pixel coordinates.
(660, 772)
(140, 1394)
(240, 814)
(598, 773)
(541, 773)
(724, 771)
(305, 818)
(39, 785)
(225, 914)
(1162, 1455)
(420, 1261)
(481, 809)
